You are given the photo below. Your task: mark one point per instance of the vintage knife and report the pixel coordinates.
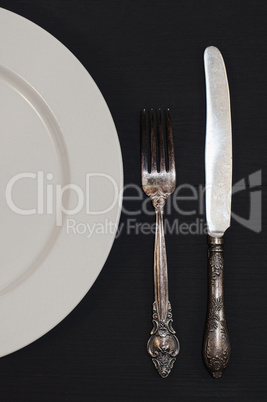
(218, 166)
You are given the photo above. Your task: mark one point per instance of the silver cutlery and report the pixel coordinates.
(158, 182)
(218, 167)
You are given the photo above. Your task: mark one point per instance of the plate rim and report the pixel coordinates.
(120, 177)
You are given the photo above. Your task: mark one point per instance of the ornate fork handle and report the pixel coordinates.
(216, 349)
(163, 346)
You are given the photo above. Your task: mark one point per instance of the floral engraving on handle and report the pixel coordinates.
(216, 348)
(216, 263)
(163, 346)
(214, 313)
(217, 363)
(217, 359)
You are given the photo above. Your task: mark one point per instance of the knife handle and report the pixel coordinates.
(216, 348)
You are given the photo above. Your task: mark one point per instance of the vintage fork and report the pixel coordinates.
(158, 183)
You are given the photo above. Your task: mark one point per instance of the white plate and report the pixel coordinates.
(55, 129)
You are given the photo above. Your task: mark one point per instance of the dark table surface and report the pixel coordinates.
(143, 54)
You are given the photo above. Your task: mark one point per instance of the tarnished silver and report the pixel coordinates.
(158, 182)
(218, 163)
(216, 348)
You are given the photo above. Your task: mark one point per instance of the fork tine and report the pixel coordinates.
(162, 163)
(170, 145)
(144, 163)
(152, 141)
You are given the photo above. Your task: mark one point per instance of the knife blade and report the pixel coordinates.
(218, 172)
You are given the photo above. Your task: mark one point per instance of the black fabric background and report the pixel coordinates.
(143, 54)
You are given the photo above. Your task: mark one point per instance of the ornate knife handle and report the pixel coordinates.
(216, 349)
(163, 346)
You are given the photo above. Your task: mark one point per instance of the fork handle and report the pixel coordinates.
(160, 268)
(216, 348)
(163, 346)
